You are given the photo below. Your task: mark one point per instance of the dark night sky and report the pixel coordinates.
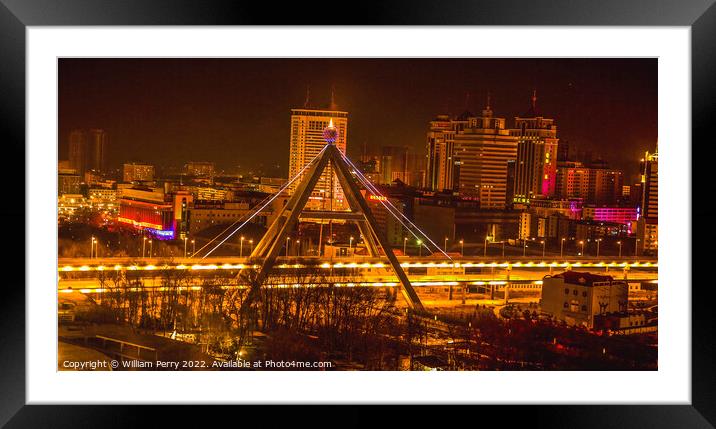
(236, 111)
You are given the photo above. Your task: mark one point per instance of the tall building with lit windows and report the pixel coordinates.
(88, 150)
(536, 166)
(78, 151)
(470, 155)
(307, 125)
(97, 150)
(648, 225)
(440, 148)
(482, 152)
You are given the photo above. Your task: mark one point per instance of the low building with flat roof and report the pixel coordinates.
(576, 297)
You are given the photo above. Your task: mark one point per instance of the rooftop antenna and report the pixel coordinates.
(333, 98)
(488, 110)
(308, 96)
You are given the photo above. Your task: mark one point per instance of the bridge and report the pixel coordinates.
(86, 275)
(380, 268)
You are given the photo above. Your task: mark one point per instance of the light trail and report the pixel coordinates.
(361, 265)
(515, 284)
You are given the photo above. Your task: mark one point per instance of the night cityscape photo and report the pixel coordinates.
(370, 214)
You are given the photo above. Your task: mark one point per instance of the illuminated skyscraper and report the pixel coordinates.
(648, 225)
(307, 140)
(87, 150)
(78, 151)
(470, 155)
(96, 150)
(482, 151)
(536, 167)
(600, 186)
(440, 147)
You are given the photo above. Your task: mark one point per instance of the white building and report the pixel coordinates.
(576, 297)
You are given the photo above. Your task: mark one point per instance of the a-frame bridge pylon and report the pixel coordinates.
(270, 245)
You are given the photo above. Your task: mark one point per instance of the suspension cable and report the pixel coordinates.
(232, 225)
(268, 202)
(373, 189)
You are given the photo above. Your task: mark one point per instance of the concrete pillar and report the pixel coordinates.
(507, 286)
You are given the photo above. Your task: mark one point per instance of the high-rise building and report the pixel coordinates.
(599, 186)
(440, 149)
(88, 150)
(78, 151)
(650, 179)
(563, 151)
(536, 167)
(510, 196)
(307, 126)
(138, 172)
(607, 186)
(482, 151)
(470, 155)
(97, 150)
(573, 180)
(398, 163)
(635, 194)
(648, 225)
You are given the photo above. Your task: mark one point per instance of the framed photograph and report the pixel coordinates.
(456, 205)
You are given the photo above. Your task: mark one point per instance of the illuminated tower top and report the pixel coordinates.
(330, 133)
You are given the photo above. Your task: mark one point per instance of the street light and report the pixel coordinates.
(620, 248)
(193, 248)
(350, 243)
(420, 248)
(462, 248)
(150, 249)
(636, 247)
(144, 245)
(185, 240)
(241, 247)
(298, 247)
(288, 239)
(524, 247)
(598, 240)
(445, 245)
(543, 244)
(581, 242)
(251, 245)
(561, 249)
(91, 246)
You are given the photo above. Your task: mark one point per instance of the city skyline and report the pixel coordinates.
(467, 238)
(216, 110)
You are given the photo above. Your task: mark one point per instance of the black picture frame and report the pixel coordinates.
(16, 15)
